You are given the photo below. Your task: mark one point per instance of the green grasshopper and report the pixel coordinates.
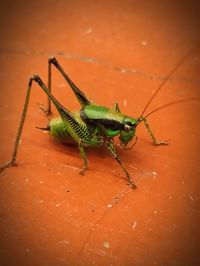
(93, 125)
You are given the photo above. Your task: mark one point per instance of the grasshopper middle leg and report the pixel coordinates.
(84, 157)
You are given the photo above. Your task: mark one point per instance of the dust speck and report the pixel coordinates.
(191, 198)
(144, 43)
(132, 166)
(88, 31)
(123, 70)
(106, 244)
(63, 242)
(133, 225)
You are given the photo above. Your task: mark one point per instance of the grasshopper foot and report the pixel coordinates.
(132, 185)
(6, 165)
(82, 171)
(45, 110)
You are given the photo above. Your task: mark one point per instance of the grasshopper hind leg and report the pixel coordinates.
(8, 164)
(65, 114)
(81, 97)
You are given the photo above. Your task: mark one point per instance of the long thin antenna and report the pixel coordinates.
(166, 105)
(168, 76)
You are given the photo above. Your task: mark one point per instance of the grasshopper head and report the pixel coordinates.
(128, 130)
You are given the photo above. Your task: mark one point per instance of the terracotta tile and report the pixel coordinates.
(115, 51)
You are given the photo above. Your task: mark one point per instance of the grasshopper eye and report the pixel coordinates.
(127, 127)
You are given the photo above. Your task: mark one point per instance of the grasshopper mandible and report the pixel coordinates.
(93, 125)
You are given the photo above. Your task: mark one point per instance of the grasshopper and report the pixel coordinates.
(93, 125)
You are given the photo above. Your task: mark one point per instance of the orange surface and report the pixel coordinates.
(115, 51)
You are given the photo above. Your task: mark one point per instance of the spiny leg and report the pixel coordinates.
(155, 141)
(47, 110)
(130, 146)
(19, 131)
(112, 150)
(83, 100)
(84, 158)
(66, 115)
(21, 125)
(76, 130)
(24, 112)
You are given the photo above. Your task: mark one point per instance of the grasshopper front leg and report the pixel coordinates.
(112, 150)
(155, 141)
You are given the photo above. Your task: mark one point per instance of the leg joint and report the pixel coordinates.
(53, 60)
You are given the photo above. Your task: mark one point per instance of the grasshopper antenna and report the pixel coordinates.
(167, 105)
(167, 78)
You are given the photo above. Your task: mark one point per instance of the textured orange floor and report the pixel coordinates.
(115, 51)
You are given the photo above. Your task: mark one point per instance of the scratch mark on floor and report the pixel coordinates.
(93, 60)
(120, 196)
